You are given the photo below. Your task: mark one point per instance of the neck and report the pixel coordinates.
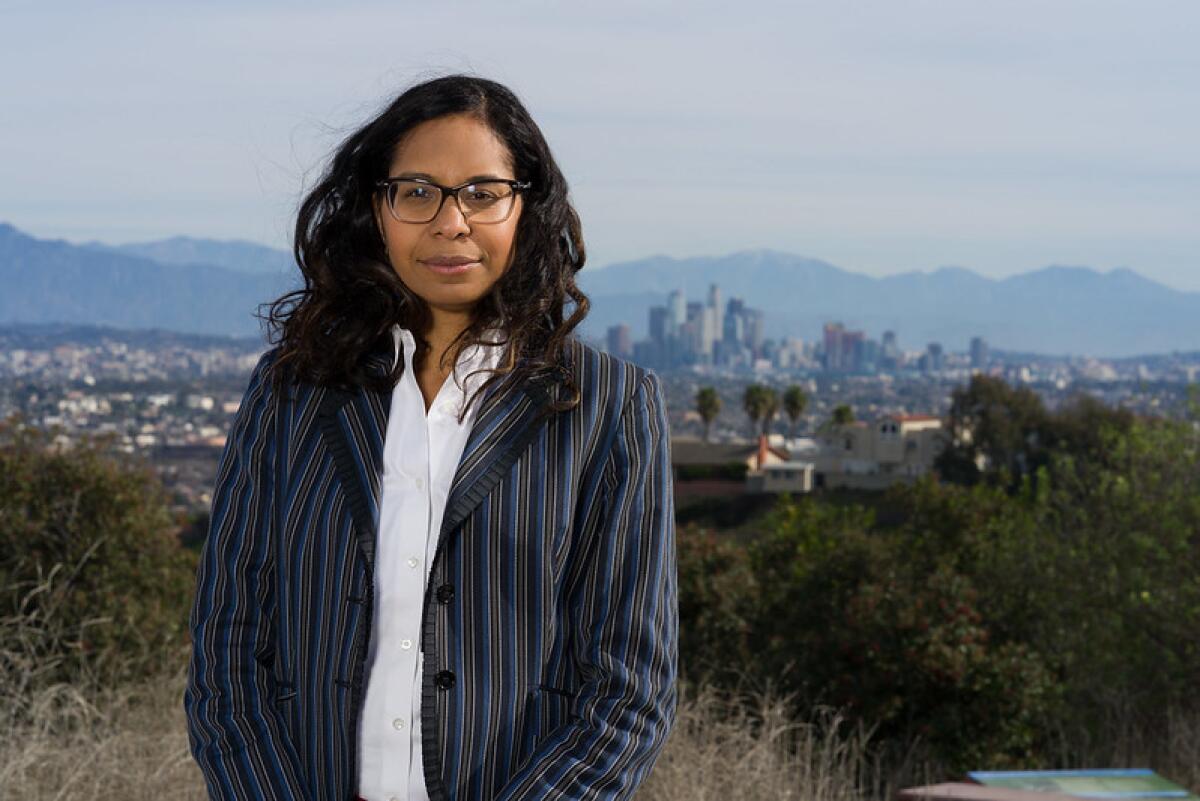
(443, 329)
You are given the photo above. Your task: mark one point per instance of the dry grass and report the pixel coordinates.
(131, 744)
(722, 749)
(127, 743)
(100, 743)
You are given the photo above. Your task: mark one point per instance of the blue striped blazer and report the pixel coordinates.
(550, 616)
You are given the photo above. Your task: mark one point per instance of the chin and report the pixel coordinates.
(453, 301)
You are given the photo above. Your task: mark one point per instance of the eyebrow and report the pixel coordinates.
(472, 179)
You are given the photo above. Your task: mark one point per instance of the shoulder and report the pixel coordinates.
(609, 384)
(263, 387)
(263, 374)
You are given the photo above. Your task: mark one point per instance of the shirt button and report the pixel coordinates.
(406, 644)
(413, 561)
(420, 483)
(398, 723)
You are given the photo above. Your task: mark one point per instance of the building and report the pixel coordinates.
(620, 343)
(659, 321)
(718, 316)
(875, 455)
(933, 360)
(790, 476)
(979, 353)
(676, 311)
(710, 468)
(845, 350)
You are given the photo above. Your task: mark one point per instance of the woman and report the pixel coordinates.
(440, 562)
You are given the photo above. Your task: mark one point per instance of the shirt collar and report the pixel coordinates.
(472, 357)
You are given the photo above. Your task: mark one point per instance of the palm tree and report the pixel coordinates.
(770, 408)
(752, 403)
(794, 403)
(708, 406)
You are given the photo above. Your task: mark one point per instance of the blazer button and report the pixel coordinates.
(445, 593)
(444, 679)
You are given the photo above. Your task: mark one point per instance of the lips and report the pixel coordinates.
(451, 265)
(449, 261)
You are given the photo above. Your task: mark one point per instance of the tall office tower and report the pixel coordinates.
(853, 355)
(658, 325)
(934, 356)
(708, 330)
(732, 327)
(979, 352)
(831, 342)
(754, 329)
(714, 303)
(620, 343)
(677, 305)
(695, 325)
(735, 330)
(889, 351)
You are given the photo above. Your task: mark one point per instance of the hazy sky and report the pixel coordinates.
(880, 136)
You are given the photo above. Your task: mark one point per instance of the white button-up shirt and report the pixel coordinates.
(420, 456)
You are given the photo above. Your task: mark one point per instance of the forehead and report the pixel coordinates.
(451, 149)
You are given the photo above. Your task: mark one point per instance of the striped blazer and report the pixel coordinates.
(550, 616)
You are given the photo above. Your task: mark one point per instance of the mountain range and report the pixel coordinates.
(213, 287)
(1054, 310)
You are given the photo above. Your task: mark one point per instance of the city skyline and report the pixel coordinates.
(712, 334)
(203, 286)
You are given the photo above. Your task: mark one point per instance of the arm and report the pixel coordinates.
(235, 733)
(624, 610)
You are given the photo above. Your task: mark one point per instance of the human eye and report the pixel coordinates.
(488, 193)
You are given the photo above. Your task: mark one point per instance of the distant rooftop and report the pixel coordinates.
(690, 450)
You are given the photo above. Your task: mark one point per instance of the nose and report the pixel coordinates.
(450, 221)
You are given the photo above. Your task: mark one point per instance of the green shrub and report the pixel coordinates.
(994, 624)
(93, 583)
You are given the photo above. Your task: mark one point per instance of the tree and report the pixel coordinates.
(1004, 434)
(753, 402)
(842, 415)
(795, 401)
(770, 408)
(994, 430)
(708, 406)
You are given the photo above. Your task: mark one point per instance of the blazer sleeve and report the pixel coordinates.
(624, 609)
(235, 733)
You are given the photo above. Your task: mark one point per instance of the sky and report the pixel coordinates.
(882, 137)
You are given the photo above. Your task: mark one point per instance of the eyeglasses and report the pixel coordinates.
(415, 200)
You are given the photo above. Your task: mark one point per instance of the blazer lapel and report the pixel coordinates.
(354, 424)
(505, 423)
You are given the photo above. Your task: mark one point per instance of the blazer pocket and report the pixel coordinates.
(285, 689)
(556, 699)
(547, 708)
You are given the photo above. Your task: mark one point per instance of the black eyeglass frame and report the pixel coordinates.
(448, 191)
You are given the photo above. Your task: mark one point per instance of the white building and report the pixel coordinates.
(875, 455)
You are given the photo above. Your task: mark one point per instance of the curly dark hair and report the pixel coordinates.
(352, 295)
